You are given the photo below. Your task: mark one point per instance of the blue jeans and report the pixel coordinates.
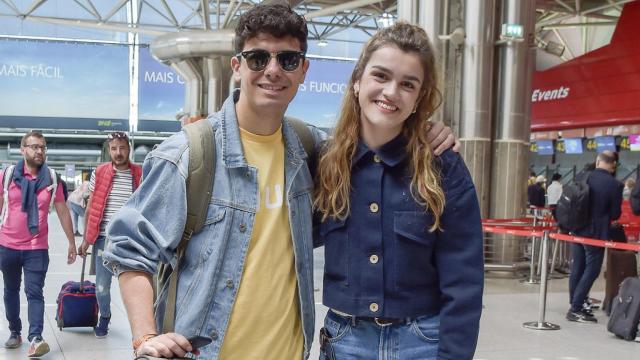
(35, 264)
(76, 211)
(366, 340)
(587, 262)
(103, 280)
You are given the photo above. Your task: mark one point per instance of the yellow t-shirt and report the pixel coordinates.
(265, 321)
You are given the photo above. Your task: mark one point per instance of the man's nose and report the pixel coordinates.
(273, 68)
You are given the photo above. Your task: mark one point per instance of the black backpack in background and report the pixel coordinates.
(572, 210)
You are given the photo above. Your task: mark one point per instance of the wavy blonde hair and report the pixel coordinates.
(331, 195)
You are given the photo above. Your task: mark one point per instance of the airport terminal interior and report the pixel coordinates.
(530, 88)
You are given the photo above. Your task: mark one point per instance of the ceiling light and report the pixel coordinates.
(386, 20)
(323, 43)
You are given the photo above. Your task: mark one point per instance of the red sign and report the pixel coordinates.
(598, 89)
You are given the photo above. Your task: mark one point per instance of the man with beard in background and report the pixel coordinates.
(110, 187)
(24, 238)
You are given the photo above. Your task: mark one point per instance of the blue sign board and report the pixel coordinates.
(545, 147)
(160, 89)
(573, 145)
(63, 85)
(319, 99)
(605, 143)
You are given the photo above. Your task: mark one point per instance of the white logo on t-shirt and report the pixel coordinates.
(279, 198)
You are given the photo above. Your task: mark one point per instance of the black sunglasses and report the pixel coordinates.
(257, 60)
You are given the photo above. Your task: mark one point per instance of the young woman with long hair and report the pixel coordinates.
(401, 227)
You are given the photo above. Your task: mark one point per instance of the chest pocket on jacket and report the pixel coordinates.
(336, 250)
(204, 243)
(414, 247)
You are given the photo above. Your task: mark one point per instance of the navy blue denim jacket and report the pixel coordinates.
(382, 261)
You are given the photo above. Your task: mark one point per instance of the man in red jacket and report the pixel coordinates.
(110, 187)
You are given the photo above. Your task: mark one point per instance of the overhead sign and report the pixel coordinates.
(319, 99)
(161, 94)
(545, 147)
(597, 89)
(513, 31)
(550, 94)
(63, 85)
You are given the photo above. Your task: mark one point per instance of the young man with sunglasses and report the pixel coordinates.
(24, 239)
(110, 186)
(246, 279)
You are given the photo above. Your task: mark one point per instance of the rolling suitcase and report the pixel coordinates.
(625, 312)
(621, 264)
(77, 303)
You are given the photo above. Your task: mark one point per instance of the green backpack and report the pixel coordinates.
(202, 158)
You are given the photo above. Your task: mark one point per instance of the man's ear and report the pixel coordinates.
(235, 66)
(305, 68)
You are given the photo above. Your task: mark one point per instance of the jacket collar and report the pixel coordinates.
(232, 153)
(391, 153)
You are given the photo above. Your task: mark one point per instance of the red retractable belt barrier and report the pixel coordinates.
(512, 231)
(499, 221)
(537, 231)
(523, 227)
(595, 242)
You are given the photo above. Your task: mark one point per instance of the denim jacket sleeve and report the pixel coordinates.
(148, 228)
(460, 263)
(320, 137)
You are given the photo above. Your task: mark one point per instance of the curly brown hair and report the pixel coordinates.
(278, 20)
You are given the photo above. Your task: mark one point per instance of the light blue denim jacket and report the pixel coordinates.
(149, 226)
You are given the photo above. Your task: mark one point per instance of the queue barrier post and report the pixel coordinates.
(541, 324)
(532, 264)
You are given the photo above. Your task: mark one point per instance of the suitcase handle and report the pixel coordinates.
(84, 263)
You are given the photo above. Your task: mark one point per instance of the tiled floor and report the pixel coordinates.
(508, 304)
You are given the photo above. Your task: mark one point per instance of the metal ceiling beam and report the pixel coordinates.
(231, 11)
(170, 14)
(604, 7)
(345, 26)
(564, 43)
(354, 25)
(350, 5)
(543, 23)
(97, 16)
(206, 20)
(36, 4)
(95, 11)
(564, 5)
(157, 11)
(115, 9)
(614, 5)
(580, 24)
(12, 6)
(93, 25)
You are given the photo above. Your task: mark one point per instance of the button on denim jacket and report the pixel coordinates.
(149, 226)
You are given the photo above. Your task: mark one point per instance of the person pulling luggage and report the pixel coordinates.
(110, 187)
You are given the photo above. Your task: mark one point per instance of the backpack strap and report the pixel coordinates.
(202, 157)
(306, 138)
(6, 180)
(53, 187)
